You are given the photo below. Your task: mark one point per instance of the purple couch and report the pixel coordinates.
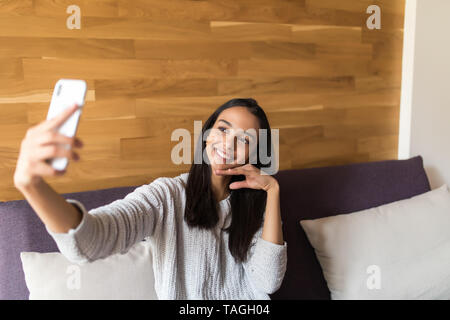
(305, 194)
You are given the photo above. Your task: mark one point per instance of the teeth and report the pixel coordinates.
(222, 155)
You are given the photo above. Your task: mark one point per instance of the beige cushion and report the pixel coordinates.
(399, 250)
(120, 276)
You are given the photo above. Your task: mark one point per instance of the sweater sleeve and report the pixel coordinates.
(115, 227)
(266, 263)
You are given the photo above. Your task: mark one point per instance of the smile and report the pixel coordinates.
(222, 155)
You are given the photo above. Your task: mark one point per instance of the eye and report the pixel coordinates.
(223, 129)
(242, 139)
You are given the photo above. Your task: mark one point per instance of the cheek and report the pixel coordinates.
(252, 151)
(213, 138)
(241, 152)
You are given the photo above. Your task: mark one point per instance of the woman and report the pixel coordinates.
(215, 232)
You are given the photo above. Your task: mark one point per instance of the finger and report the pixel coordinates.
(53, 151)
(78, 143)
(44, 169)
(249, 167)
(239, 184)
(53, 137)
(60, 118)
(230, 171)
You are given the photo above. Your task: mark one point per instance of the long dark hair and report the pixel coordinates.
(247, 205)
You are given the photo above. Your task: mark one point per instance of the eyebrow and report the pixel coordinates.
(232, 126)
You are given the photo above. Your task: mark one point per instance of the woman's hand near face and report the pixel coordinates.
(254, 179)
(272, 230)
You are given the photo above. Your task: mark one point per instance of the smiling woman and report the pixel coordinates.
(215, 231)
(227, 148)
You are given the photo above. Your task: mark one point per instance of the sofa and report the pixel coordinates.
(304, 194)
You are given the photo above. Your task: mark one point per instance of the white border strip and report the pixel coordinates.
(409, 33)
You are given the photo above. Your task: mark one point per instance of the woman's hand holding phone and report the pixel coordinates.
(41, 143)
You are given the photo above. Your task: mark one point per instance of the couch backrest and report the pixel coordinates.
(305, 194)
(320, 192)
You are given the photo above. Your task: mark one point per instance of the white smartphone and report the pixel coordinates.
(66, 93)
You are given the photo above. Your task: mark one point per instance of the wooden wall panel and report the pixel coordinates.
(327, 82)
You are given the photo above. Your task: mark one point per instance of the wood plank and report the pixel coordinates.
(255, 68)
(155, 87)
(104, 28)
(294, 135)
(276, 85)
(30, 47)
(11, 69)
(8, 159)
(129, 128)
(360, 130)
(13, 114)
(327, 34)
(321, 149)
(201, 105)
(30, 90)
(280, 50)
(16, 7)
(314, 15)
(378, 143)
(388, 6)
(88, 8)
(305, 118)
(331, 161)
(383, 35)
(191, 49)
(128, 69)
(250, 31)
(93, 110)
(364, 96)
(280, 11)
(347, 51)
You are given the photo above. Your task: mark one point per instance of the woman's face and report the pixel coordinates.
(232, 138)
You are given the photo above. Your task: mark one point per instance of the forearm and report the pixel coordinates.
(54, 211)
(272, 230)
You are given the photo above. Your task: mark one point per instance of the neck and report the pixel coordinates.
(220, 186)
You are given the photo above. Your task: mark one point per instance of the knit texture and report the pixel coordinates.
(188, 263)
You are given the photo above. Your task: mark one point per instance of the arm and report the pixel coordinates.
(267, 257)
(48, 205)
(267, 260)
(105, 230)
(114, 227)
(272, 224)
(81, 236)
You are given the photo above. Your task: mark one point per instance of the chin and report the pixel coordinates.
(223, 166)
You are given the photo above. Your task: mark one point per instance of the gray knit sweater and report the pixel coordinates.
(188, 263)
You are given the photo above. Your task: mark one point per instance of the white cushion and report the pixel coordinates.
(120, 276)
(399, 250)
